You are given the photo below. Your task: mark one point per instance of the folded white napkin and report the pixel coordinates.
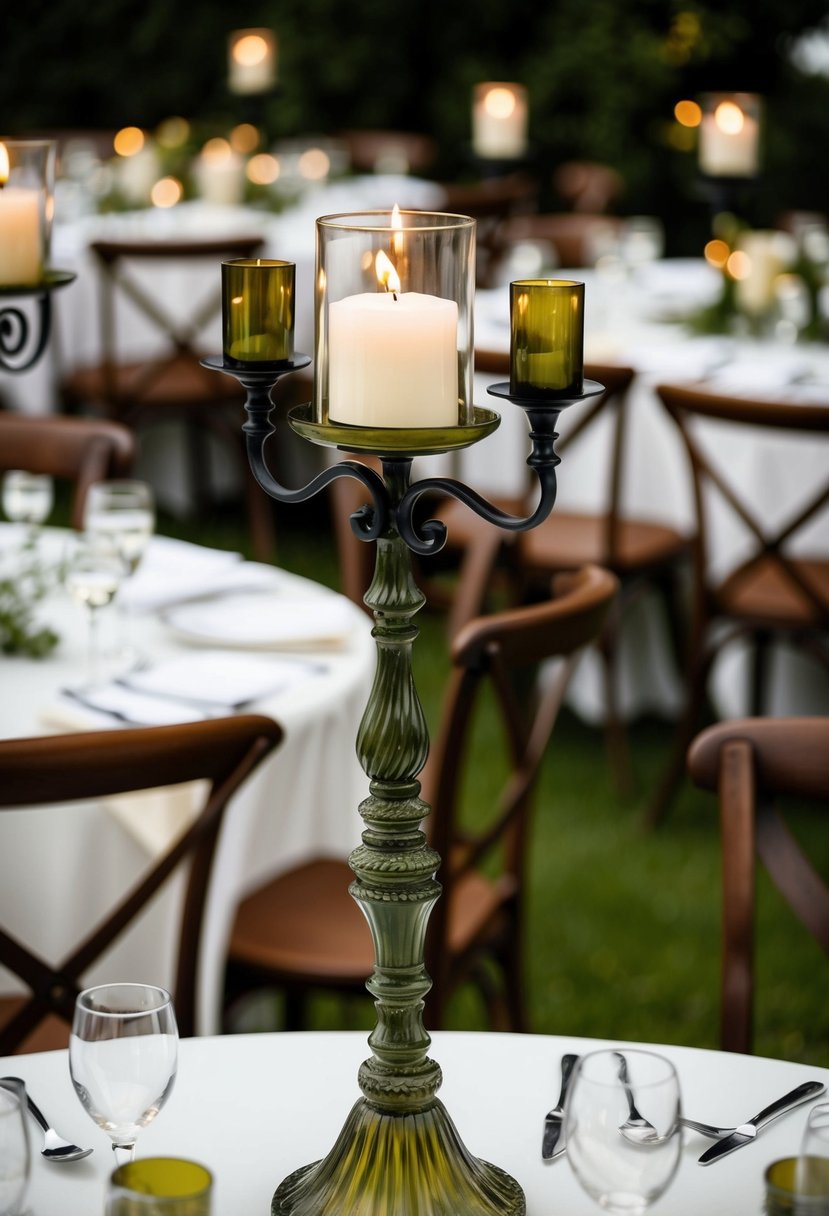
(173, 571)
(187, 688)
(262, 621)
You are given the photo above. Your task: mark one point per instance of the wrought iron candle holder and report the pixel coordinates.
(399, 1150)
(22, 342)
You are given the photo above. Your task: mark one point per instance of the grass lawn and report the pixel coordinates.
(623, 929)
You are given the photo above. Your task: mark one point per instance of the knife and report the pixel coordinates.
(747, 1131)
(554, 1121)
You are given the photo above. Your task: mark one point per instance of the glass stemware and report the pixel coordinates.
(812, 1174)
(27, 499)
(122, 513)
(15, 1154)
(122, 1058)
(623, 1163)
(92, 577)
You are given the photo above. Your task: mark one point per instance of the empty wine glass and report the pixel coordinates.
(92, 577)
(812, 1174)
(122, 513)
(122, 1058)
(623, 1173)
(15, 1155)
(27, 499)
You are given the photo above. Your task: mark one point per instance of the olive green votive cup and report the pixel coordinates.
(798, 1186)
(257, 311)
(547, 338)
(160, 1186)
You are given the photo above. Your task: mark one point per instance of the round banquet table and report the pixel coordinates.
(59, 870)
(255, 1107)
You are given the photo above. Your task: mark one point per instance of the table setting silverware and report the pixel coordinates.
(747, 1132)
(636, 1127)
(55, 1148)
(552, 1142)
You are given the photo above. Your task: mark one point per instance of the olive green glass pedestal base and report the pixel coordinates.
(395, 1164)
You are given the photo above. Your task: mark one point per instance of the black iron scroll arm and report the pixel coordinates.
(15, 333)
(370, 521)
(430, 535)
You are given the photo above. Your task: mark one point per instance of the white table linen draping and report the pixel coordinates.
(253, 1108)
(59, 867)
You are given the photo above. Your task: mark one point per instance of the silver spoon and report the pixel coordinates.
(55, 1148)
(636, 1127)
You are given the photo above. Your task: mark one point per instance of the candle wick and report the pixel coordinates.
(394, 293)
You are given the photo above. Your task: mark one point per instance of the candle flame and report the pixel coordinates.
(250, 50)
(729, 118)
(499, 102)
(4, 165)
(386, 273)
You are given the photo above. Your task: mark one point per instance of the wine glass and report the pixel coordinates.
(623, 1170)
(92, 577)
(812, 1174)
(27, 499)
(122, 1058)
(123, 513)
(15, 1154)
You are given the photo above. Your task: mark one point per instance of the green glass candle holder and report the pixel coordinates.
(547, 338)
(160, 1186)
(258, 311)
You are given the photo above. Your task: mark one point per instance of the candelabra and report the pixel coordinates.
(399, 1150)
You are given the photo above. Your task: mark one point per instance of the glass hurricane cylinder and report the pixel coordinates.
(394, 299)
(547, 338)
(258, 311)
(27, 183)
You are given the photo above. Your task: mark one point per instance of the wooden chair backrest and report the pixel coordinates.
(751, 764)
(685, 403)
(573, 236)
(496, 651)
(117, 261)
(78, 450)
(492, 202)
(65, 768)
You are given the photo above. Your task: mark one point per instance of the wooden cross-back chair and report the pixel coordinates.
(491, 203)
(751, 764)
(65, 768)
(774, 592)
(643, 554)
(302, 931)
(78, 450)
(170, 383)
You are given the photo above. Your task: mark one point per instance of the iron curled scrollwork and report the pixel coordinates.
(17, 335)
(370, 521)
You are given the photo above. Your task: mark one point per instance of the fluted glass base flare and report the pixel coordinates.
(386, 1164)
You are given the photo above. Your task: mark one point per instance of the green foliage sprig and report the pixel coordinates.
(21, 590)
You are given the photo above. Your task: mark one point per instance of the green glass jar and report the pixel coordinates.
(257, 311)
(798, 1186)
(547, 338)
(160, 1186)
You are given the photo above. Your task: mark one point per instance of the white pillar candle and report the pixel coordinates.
(219, 173)
(767, 255)
(251, 61)
(729, 141)
(499, 120)
(393, 360)
(21, 237)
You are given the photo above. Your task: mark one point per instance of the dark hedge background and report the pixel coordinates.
(603, 76)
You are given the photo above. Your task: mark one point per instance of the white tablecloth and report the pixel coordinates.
(57, 869)
(253, 1108)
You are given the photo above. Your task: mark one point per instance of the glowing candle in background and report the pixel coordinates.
(499, 120)
(26, 184)
(547, 332)
(729, 139)
(258, 310)
(251, 61)
(393, 359)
